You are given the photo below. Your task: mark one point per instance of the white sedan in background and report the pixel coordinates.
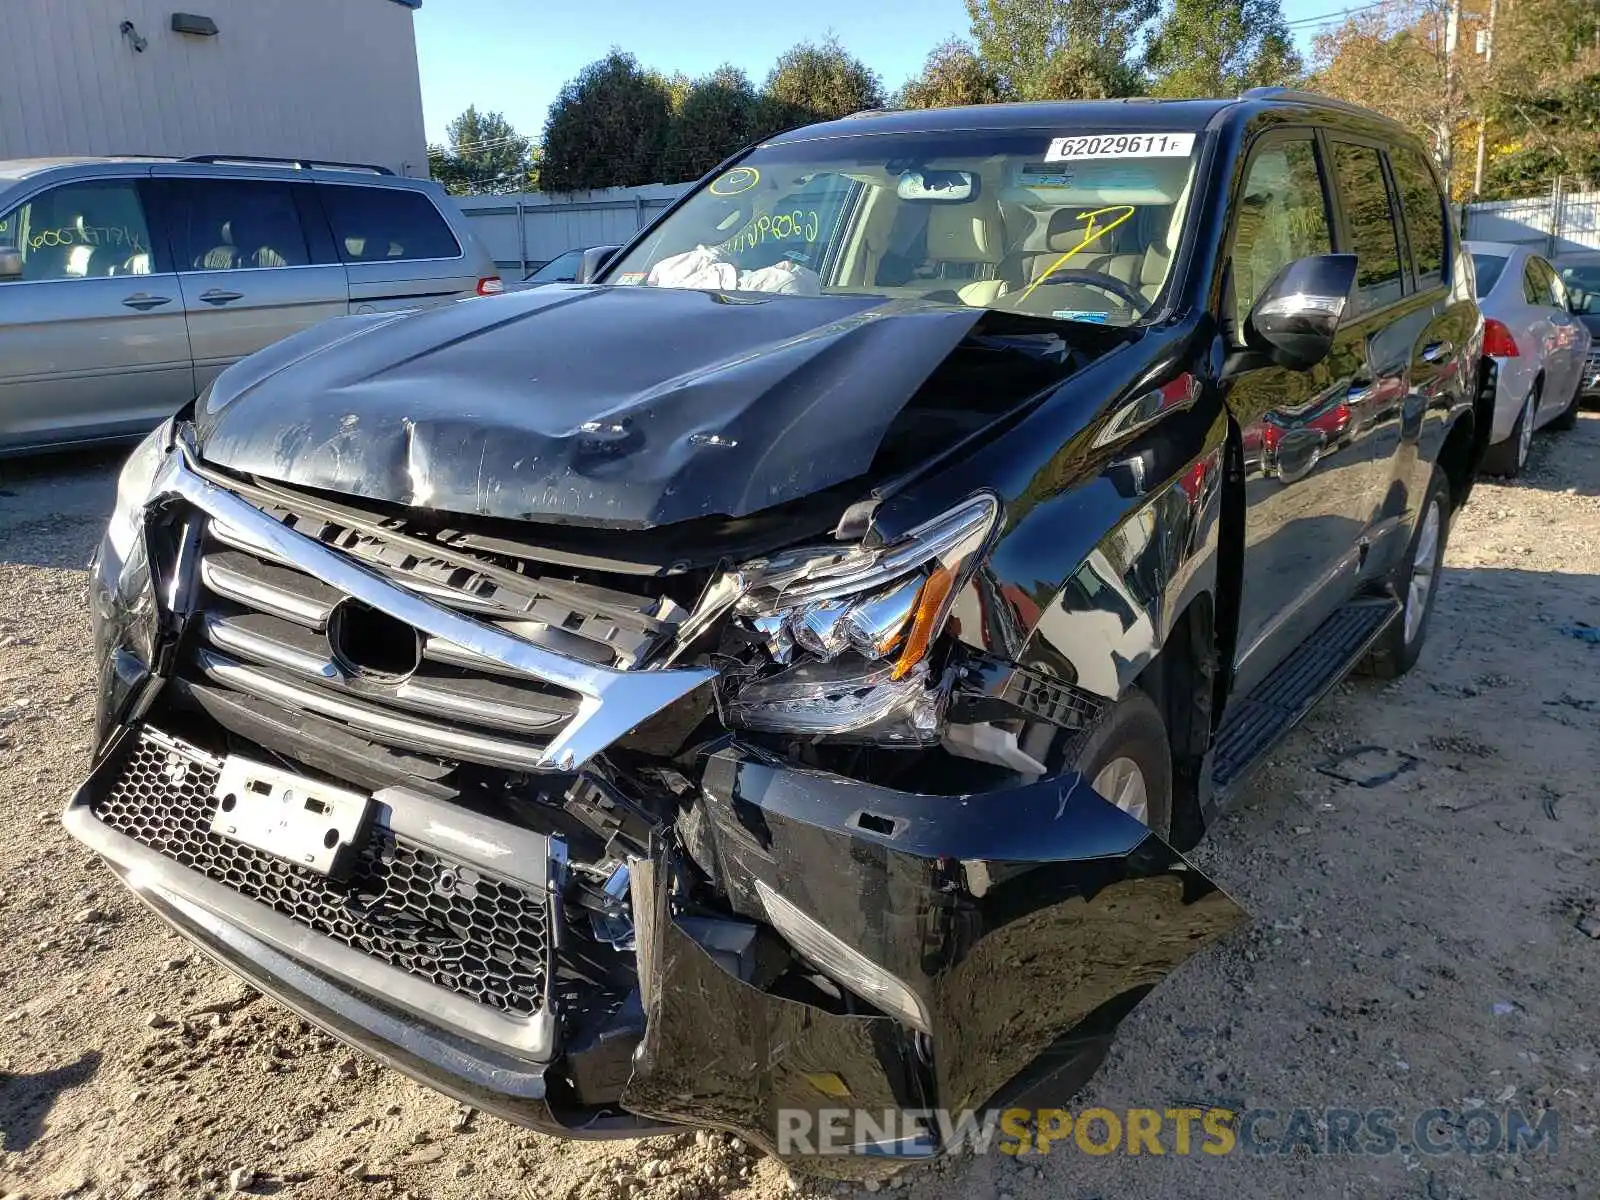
(1538, 344)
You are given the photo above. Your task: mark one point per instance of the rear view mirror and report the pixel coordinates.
(1578, 300)
(594, 261)
(10, 263)
(937, 187)
(1293, 321)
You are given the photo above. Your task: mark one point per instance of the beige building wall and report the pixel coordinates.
(330, 79)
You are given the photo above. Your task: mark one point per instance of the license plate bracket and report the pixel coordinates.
(288, 816)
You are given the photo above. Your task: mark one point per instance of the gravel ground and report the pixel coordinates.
(1416, 943)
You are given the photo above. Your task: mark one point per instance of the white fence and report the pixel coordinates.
(529, 229)
(1558, 222)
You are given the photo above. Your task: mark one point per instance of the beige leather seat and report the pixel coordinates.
(969, 233)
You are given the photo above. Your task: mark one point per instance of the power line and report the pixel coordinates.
(1342, 15)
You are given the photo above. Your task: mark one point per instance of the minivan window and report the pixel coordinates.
(1282, 217)
(1487, 268)
(384, 224)
(80, 231)
(235, 224)
(1372, 225)
(1424, 209)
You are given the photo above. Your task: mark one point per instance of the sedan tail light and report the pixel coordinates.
(1497, 339)
(490, 285)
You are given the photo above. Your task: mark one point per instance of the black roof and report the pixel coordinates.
(1062, 115)
(1068, 116)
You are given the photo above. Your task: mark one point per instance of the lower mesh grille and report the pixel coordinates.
(443, 921)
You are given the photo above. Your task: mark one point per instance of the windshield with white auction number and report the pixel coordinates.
(1081, 227)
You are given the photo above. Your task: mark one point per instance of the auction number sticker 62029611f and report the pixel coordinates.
(1120, 145)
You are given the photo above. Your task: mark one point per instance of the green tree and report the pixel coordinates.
(814, 82)
(953, 75)
(1062, 49)
(484, 155)
(716, 118)
(1221, 47)
(607, 127)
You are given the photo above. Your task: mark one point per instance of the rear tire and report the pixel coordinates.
(1416, 582)
(1128, 760)
(1507, 458)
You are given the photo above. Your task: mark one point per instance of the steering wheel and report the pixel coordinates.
(1125, 292)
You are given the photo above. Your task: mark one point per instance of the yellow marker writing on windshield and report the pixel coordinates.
(1090, 233)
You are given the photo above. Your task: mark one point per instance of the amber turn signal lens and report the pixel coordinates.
(925, 623)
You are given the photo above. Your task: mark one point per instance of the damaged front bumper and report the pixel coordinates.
(540, 911)
(1007, 934)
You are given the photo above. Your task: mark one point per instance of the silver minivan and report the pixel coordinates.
(128, 284)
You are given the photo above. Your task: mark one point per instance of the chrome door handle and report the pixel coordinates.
(1435, 352)
(219, 297)
(144, 300)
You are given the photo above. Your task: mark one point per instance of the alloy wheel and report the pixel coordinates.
(1525, 429)
(1122, 782)
(1424, 568)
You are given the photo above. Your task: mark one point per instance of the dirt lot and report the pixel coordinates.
(1416, 943)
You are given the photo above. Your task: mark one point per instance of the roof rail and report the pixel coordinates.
(869, 112)
(1303, 97)
(299, 164)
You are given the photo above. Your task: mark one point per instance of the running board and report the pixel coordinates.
(1254, 724)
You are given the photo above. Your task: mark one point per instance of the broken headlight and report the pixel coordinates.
(122, 600)
(853, 628)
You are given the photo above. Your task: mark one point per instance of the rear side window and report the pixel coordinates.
(1282, 217)
(1424, 209)
(80, 231)
(1372, 225)
(1539, 284)
(1487, 268)
(235, 225)
(385, 224)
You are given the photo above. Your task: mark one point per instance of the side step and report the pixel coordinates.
(1254, 724)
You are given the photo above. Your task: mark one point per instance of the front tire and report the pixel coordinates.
(1416, 582)
(1128, 760)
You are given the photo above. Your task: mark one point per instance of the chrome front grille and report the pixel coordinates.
(501, 665)
(264, 626)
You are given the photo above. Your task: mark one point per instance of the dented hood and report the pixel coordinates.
(624, 407)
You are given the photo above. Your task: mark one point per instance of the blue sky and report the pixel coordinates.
(514, 55)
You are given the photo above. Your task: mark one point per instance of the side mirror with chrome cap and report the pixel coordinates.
(10, 263)
(1293, 321)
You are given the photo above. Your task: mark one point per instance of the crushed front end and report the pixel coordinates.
(610, 835)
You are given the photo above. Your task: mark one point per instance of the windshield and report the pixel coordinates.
(563, 269)
(1076, 227)
(1487, 268)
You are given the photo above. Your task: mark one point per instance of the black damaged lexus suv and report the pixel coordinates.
(772, 674)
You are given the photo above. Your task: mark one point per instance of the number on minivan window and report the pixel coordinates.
(80, 231)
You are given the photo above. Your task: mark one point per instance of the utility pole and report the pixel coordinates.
(1452, 35)
(1483, 119)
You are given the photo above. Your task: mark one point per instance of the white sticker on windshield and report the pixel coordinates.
(1120, 145)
